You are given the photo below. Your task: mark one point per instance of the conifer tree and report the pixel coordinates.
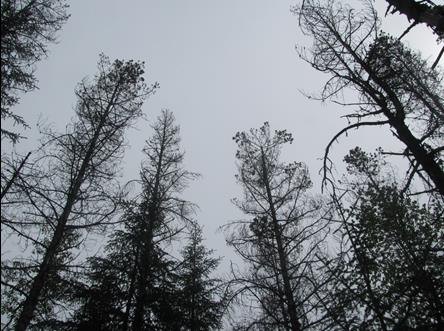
(144, 290)
(70, 187)
(388, 274)
(394, 86)
(162, 213)
(27, 27)
(201, 297)
(278, 240)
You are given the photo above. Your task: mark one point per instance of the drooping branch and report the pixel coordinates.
(336, 137)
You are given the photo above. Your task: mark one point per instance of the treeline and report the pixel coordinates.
(366, 254)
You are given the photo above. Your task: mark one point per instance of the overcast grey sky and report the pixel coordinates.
(223, 66)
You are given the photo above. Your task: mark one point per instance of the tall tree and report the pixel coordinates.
(27, 26)
(163, 180)
(279, 241)
(201, 297)
(137, 275)
(105, 293)
(394, 86)
(71, 185)
(388, 274)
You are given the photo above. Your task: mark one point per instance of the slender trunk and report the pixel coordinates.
(291, 305)
(145, 265)
(131, 290)
(397, 121)
(32, 299)
(191, 302)
(193, 314)
(146, 261)
(281, 301)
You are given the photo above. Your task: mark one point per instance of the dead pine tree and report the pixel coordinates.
(71, 186)
(278, 240)
(137, 277)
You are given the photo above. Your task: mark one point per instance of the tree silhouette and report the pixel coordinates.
(27, 26)
(163, 179)
(388, 273)
(201, 297)
(137, 277)
(420, 12)
(278, 242)
(105, 294)
(71, 184)
(394, 86)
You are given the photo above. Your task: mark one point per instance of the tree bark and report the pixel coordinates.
(141, 296)
(424, 158)
(131, 291)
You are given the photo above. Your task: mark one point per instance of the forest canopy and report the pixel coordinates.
(98, 237)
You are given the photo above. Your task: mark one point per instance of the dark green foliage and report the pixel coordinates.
(417, 11)
(419, 87)
(181, 294)
(107, 293)
(101, 299)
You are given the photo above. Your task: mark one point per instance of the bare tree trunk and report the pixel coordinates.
(424, 158)
(397, 121)
(31, 301)
(291, 305)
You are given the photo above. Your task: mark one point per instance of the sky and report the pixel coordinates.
(223, 66)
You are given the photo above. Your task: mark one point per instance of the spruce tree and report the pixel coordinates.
(201, 297)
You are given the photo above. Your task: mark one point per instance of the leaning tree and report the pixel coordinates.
(387, 273)
(394, 86)
(137, 279)
(70, 187)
